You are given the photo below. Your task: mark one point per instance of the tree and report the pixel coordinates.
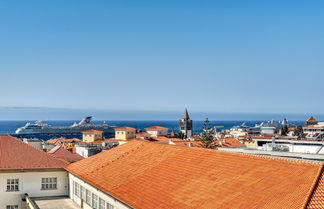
(298, 131)
(284, 130)
(180, 135)
(207, 138)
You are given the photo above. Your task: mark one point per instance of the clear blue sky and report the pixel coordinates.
(211, 56)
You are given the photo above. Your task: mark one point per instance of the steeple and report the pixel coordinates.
(186, 115)
(186, 124)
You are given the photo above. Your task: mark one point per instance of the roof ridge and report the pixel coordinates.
(292, 160)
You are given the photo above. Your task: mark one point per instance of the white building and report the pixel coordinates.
(156, 131)
(148, 175)
(26, 170)
(314, 129)
(87, 150)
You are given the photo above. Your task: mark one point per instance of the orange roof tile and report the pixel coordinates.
(311, 119)
(313, 127)
(17, 155)
(142, 133)
(125, 128)
(163, 139)
(188, 143)
(317, 199)
(62, 153)
(62, 140)
(196, 137)
(151, 175)
(92, 131)
(155, 128)
(228, 142)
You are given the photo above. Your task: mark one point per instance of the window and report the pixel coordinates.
(12, 207)
(94, 201)
(12, 184)
(109, 206)
(102, 204)
(49, 183)
(77, 189)
(83, 193)
(88, 197)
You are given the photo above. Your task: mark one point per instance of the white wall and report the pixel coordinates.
(114, 202)
(304, 148)
(159, 132)
(82, 151)
(30, 182)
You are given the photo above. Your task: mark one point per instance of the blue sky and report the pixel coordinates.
(211, 56)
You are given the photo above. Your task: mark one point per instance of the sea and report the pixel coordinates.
(10, 126)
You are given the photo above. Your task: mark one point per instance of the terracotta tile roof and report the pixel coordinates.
(16, 155)
(124, 128)
(164, 139)
(62, 140)
(188, 143)
(92, 131)
(311, 119)
(63, 154)
(142, 133)
(228, 142)
(313, 127)
(155, 128)
(151, 175)
(196, 137)
(317, 199)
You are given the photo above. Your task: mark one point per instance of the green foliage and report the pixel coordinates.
(207, 138)
(180, 135)
(284, 131)
(298, 131)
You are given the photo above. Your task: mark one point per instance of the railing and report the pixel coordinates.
(30, 204)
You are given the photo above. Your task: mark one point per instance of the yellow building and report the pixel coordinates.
(92, 135)
(125, 133)
(251, 143)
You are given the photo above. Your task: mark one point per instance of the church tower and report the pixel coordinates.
(186, 124)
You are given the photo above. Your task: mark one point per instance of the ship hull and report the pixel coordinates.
(47, 136)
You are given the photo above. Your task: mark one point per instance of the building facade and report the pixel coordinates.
(26, 170)
(36, 183)
(92, 135)
(88, 196)
(157, 131)
(125, 133)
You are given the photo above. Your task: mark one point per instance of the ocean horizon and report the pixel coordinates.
(10, 126)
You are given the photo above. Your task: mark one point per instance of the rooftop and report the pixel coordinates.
(155, 128)
(186, 177)
(63, 154)
(311, 119)
(17, 155)
(63, 140)
(55, 203)
(229, 142)
(124, 128)
(92, 131)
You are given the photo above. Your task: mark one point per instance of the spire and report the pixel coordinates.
(185, 115)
